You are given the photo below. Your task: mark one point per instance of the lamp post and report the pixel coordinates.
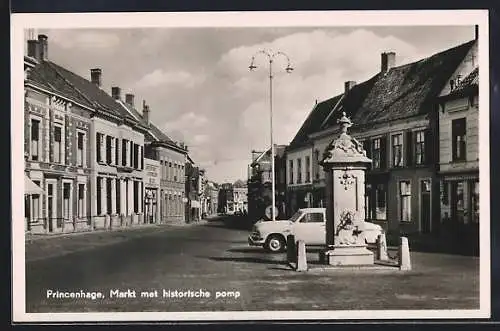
(271, 56)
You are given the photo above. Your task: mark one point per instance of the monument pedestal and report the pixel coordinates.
(347, 255)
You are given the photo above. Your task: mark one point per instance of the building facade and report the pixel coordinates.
(240, 192)
(88, 153)
(259, 184)
(396, 119)
(459, 156)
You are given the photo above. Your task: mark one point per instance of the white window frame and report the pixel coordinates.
(402, 143)
(39, 147)
(417, 133)
(400, 200)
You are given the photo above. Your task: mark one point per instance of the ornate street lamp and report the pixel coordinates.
(271, 56)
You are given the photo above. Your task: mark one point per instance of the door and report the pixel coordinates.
(50, 206)
(311, 228)
(425, 206)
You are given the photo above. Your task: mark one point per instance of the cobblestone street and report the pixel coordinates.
(215, 257)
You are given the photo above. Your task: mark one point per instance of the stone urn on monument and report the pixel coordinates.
(345, 164)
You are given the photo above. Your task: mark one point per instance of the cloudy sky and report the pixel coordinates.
(199, 88)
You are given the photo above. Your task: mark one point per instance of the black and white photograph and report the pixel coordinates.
(250, 166)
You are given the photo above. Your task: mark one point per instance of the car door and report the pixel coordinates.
(317, 224)
(311, 228)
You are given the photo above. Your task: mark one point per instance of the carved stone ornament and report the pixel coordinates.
(346, 232)
(347, 180)
(345, 148)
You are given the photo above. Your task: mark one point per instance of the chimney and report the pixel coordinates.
(34, 49)
(145, 111)
(388, 61)
(116, 92)
(476, 32)
(348, 86)
(43, 47)
(129, 99)
(95, 76)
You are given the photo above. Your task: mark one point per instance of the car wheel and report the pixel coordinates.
(275, 244)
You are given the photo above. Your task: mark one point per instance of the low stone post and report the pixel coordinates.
(382, 248)
(291, 249)
(404, 254)
(301, 256)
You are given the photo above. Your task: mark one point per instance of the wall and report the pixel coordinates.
(295, 155)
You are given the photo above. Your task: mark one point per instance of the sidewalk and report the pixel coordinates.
(42, 247)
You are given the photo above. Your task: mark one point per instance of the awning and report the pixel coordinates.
(195, 204)
(30, 187)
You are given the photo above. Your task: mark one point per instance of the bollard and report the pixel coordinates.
(404, 254)
(291, 249)
(382, 248)
(106, 221)
(301, 256)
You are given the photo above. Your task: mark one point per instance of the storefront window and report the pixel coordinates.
(381, 206)
(459, 202)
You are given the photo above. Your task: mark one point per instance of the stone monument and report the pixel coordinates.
(345, 164)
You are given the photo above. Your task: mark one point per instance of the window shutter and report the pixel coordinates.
(383, 152)
(409, 148)
(367, 147)
(429, 147)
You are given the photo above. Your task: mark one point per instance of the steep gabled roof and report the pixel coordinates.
(314, 120)
(409, 90)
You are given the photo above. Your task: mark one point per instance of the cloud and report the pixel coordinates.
(159, 77)
(86, 40)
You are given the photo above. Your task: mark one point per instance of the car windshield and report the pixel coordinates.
(296, 216)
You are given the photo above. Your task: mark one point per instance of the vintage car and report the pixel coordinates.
(308, 224)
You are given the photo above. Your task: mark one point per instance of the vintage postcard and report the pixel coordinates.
(250, 166)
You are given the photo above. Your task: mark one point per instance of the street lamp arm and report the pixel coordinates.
(289, 67)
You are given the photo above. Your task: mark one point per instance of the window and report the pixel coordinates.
(118, 197)
(80, 149)
(381, 204)
(376, 153)
(136, 156)
(98, 147)
(35, 205)
(299, 171)
(397, 150)
(109, 154)
(99, 194)
(81, 200)
(475, 201)
(35, 139)
(124, 152)
(308, 170)
(458, 129)
(312, 218)
(291, 171)
(405, 201)
(57, 144)
(66, 200)
(176, 168)
(108, 196)
(420, 147)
